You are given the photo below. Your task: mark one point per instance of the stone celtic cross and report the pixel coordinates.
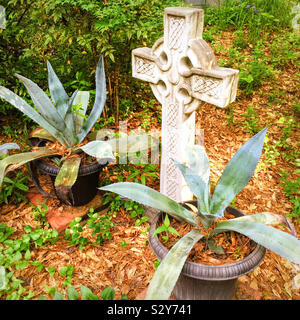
(183, 73)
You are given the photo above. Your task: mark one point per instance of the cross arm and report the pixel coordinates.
(145, 65)
(217, 86)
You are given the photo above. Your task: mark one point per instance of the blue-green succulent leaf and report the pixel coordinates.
(150, 197)
(98, 149)
(282, 243)
(168, 271)
(43, 103)
(15, 161)
(198, 187)
(99, 101)
(57, 91)
(24, 107)
(8, 146)
(82, 99)
(70, 122)
(237, 173)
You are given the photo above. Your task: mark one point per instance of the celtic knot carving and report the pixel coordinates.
(176, 29)
(171, 189)
(172, 115)
(206, 85)
(172, 141)
(171, 169)
(145, 66)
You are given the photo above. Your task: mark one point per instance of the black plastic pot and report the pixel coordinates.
(208, 282)
(83, 190)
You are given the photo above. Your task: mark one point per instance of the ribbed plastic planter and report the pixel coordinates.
(208, 282)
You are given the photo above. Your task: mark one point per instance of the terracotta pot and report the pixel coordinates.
(208, 282)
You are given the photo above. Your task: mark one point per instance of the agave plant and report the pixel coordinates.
(235, 177)
(7, 146)
(59, 123)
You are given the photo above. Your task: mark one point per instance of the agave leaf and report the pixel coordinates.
(152, 198)
(282, 243)
(206, 219)
(98, 149)
(199, 188)
(43, 103)
(99, 101)
(42, 133)
(168, 271)
(66, 178)
(17, 160)
(8, 146)
(82, 98)
(198, 161)
(68, 172)
(24, 107)
(268, 218)
(57, 91)
(237, 173)
(69, 121)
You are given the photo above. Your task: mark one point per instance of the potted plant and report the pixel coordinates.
(191, 280)
(62, 136)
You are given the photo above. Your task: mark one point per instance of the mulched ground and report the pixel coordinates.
(129, 269)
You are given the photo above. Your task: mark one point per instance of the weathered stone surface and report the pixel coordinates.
(183, 73)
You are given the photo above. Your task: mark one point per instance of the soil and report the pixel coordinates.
(62, 151)
(235, 246)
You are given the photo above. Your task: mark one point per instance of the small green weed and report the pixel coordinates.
(166, 228)
(251, 120)
(101, 226)
(13, 188)
(68, 273)
(15, 254)
(271, 151)
(85, 294)
(40, 212)
(291, 189)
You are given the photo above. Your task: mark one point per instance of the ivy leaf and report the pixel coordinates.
(58, 296)
(51, 271)
(27, 255)
(72, 293)
(108, 293)
(21, 265)
(87, 294)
